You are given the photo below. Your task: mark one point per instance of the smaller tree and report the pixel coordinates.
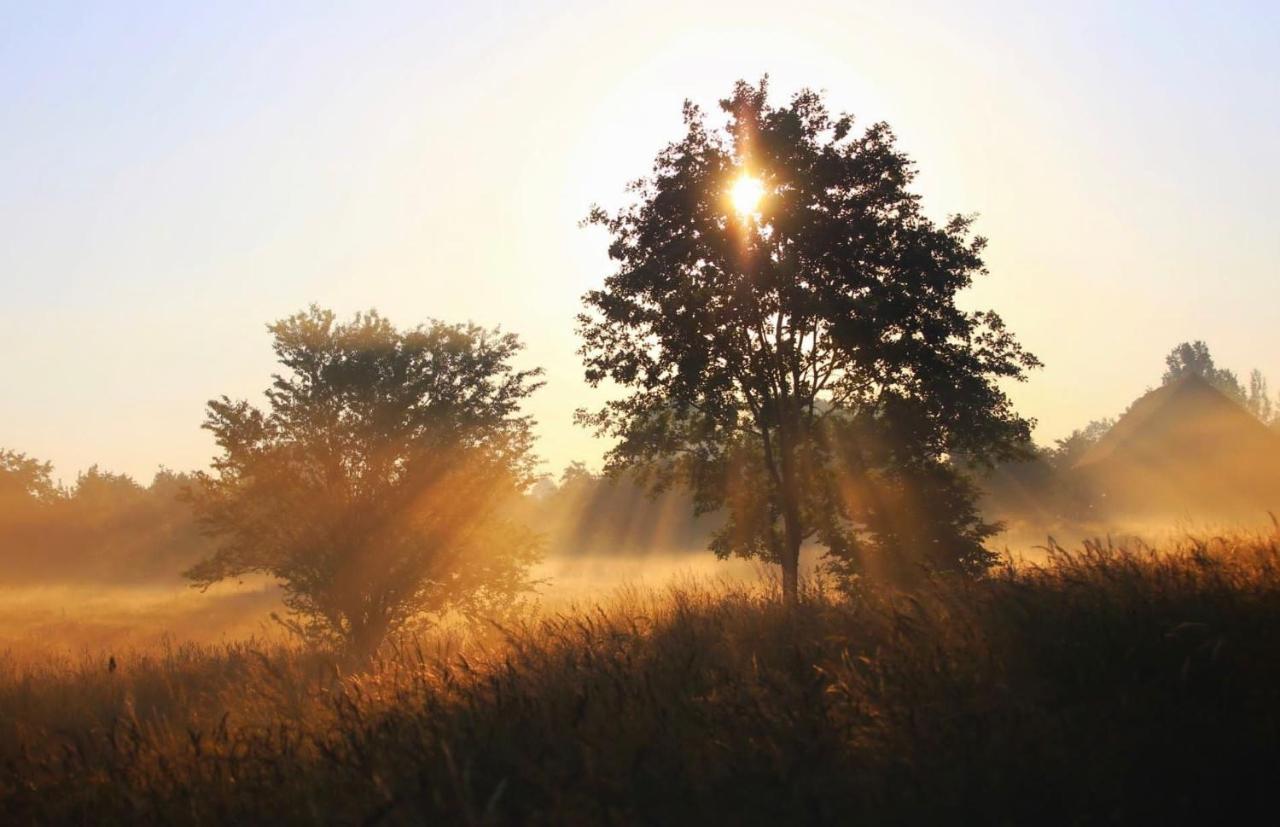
(1193, 358)
(102, 495)
(1068, 450)
(1259, 399)
(24, 480)
(378, 486)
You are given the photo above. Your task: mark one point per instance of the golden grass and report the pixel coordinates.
(1113, 684)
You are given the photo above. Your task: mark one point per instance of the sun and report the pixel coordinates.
(745, 195)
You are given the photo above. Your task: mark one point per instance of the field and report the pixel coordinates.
(98, 620)
(1116, 685)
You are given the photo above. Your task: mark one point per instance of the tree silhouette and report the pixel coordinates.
(1068, 450)
(105, 528)
(1259, 398)
(24, 480)
(1194, 358)
(377, 484)
(800, 360)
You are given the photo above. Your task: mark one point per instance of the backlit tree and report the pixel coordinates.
(783, 320)
(377, 485)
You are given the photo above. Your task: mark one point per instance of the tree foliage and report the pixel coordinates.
(377, 484)
(804, 366)
(1068, 450)
(1258, 399)
(1194, 358)
(106, 528)
(24, 480)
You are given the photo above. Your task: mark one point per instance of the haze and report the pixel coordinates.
(914, 465)
(172, 178)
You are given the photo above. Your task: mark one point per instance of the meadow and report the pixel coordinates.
(1110, 683)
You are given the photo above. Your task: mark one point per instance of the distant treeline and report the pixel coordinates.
(104, 528)
(587, 513)
(1199, 445)
(108, 528)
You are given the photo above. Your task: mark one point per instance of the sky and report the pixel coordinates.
(175, 176)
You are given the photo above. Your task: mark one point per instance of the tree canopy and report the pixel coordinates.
(24, 480)
(1194, 358)
(377, 484)
(791, 347)
(1068, 450)
(106, 528)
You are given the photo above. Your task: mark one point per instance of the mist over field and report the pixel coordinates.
(113, 582)
(578, 413)
(97, 567)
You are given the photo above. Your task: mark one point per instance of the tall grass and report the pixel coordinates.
(1110, 684)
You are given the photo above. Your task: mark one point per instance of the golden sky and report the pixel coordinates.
(171, 180)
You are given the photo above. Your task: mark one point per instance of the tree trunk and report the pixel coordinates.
(365, 638)
(790, 576)
(791, 554)
(793, 530)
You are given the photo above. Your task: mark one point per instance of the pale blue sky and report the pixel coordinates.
(173, 178)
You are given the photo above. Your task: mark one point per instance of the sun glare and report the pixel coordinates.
(745, 194)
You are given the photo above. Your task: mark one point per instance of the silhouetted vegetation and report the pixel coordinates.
(1194, 359)
(1191, 449)
(1068, 450)
(1110, 685)
(796, 374)
(378, 485)
(24, 480)
(802, 364)
(105, 528)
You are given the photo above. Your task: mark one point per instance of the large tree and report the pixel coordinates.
(377, 485)
(783, 318)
